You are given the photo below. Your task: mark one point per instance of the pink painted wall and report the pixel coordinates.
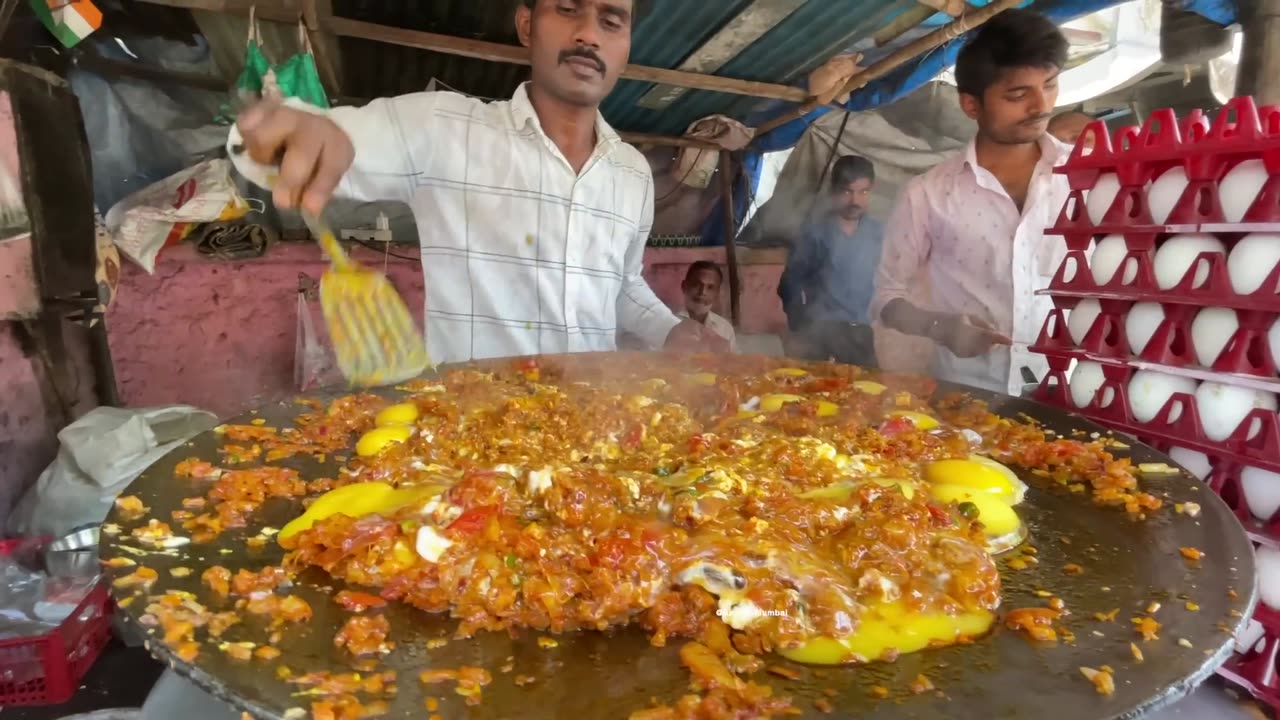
(758, 272)
(222, 336)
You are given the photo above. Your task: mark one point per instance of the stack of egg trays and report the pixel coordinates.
(1206, 151)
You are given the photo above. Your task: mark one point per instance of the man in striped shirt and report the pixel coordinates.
(532, 213)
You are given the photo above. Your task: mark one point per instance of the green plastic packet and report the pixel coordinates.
(296, 77)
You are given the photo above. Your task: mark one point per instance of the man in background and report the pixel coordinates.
(827, 286)
(701, 288)
(1067, 127)
(973, 226)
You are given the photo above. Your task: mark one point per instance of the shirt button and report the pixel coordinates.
(528, 239)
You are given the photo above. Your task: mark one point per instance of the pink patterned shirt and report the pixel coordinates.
(956, 231)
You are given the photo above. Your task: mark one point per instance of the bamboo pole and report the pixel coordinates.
(730, 234)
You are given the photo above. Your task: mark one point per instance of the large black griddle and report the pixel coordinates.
(1128, 565)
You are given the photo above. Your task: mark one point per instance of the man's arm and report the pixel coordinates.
(907, 245)
(797, 277)
(640, 312)
(365, 153)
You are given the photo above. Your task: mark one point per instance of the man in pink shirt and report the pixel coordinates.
(972, 228)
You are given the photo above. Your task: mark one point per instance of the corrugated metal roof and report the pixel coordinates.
(666, 36)
(669, 34)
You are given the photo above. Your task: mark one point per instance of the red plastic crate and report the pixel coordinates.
(1247, 352)
(46, 669)
(1262, 450)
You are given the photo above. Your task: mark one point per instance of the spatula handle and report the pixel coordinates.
(328, 241)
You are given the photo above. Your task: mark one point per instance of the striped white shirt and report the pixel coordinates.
(520, 254)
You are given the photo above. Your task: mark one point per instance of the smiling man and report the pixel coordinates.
(532, 213)
(971, 230)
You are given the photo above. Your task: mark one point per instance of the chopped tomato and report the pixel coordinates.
(940, 516)
(698, 443)
(829, 384)
(474, 520)
(358, 601)
(896, 426)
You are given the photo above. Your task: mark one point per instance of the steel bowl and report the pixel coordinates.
(74, 554)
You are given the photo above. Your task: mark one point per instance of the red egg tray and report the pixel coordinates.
(1261, 451)
(1256, 670)
(1247, 353)
(1206, 152)
(1074, 280)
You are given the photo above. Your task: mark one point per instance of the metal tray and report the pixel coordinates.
(1127, 565)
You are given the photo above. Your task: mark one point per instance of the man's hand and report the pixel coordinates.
(967, 336)
(693, 336)
(313, 153)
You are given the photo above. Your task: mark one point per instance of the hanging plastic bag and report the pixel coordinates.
(164, 213)
(314, 365)
(296, 77)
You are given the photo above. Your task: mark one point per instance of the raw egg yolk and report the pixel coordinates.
(358, 500)
(793, 372)
(920, 420)
(379, 439)
(399, 414)
(891, 626)
(843, 490)
(972, 476)
(1000, 523)
(868, 387)
(774, 403)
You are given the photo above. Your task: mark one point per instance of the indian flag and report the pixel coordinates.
(69, 20)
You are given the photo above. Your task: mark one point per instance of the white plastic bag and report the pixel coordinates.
(314, 365)
(99, 455)
(164, 213)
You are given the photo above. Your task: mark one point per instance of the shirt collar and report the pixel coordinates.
(523, 115)
(1052, 152)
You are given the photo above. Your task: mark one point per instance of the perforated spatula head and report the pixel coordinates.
(374, 337)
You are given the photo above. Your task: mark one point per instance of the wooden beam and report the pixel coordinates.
(900, 57)
(289, 10)
(730, 234)
(324, 46)
(668, 141)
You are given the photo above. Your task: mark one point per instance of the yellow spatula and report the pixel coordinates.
(374, 337)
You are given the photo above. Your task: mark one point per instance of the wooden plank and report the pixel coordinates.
(289, 10)
(730, 235)
(324, 46)
(754, 21)
(668, 140)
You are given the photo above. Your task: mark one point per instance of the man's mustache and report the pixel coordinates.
(1036, 120)
(585, 53)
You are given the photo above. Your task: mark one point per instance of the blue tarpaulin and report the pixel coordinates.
(897, 85)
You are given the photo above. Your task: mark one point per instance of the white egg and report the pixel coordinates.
(1261, 493)
(1176, 255)
(1268, 564)
(1252, 260)
(1196, 463)
(1098, 200)
(1250, 636)
(1223, 407)
(1273, 342)
(1141, 323)
(1164, 193)
(1149, 392)
(1081, 318)
(1211, 330)
(1085, 380)
(1240, 188)
(1106, 259)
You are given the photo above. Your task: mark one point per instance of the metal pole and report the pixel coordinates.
(1259, 73)
(730, 232)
